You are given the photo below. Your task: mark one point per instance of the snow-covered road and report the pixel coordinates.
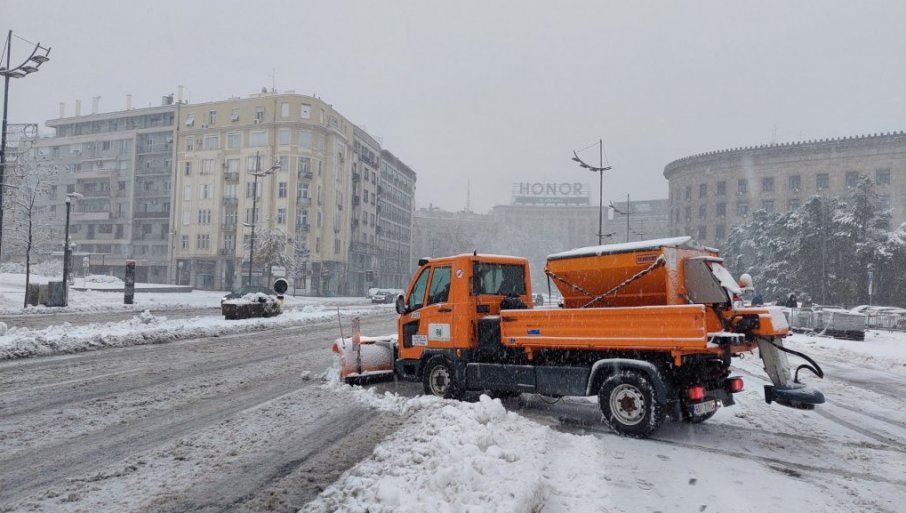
(236, 422)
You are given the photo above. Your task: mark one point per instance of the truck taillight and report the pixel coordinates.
(696, 393)
(735, 385)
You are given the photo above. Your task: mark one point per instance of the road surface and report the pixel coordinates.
(237, 423)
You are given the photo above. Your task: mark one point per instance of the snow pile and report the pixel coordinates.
(252, 298)
(455, 456)
(145, 328)
(102, 278)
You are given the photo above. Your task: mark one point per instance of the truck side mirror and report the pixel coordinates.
(401, 306)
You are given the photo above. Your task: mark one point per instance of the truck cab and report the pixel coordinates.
(440, 309)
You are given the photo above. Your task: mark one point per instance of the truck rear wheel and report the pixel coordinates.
(440, 379)
(629, 404)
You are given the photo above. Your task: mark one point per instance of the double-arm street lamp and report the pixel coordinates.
(254, 219)
(600, 169)
(38, 56)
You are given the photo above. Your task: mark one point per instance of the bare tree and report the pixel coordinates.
(298, 262)
(34, 227)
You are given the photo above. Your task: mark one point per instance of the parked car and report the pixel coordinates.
(236, 294)
(385, 295)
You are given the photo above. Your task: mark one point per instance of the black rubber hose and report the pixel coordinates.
(814, 367)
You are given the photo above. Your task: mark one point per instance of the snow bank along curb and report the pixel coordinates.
(146, 328)
(461, 456)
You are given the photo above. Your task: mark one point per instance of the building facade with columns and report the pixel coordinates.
(714, 191)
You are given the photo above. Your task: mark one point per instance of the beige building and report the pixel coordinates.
(364, 252)
(711, 192)
(307, 144)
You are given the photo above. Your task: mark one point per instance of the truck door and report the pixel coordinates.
(429, 322)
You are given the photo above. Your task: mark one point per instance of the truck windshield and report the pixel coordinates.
(499, 279)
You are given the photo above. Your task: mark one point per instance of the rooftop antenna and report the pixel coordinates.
(468, 195)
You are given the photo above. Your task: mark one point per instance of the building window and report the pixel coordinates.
(767, 184)
(259, 114)
(283, 136)
(234, 114)
(702, 232)
(742, 209)
(702, 190)
(186, 217)
(884, 201)
(202, 241)
(794, 204)
(205, 191)
(284, 110)
(283, 162)
(187, 193)
(305, 138)
(258, 138)
(250, 189)
(251, 216)
(212, 117)
(188, 169)
(720, 232)
(204, 216)
(190, 144)
(207, 166)
(822, 181)
(210, 142)
(768, 206)
(281, 190)
(795, 183)
(688, 192)
(229, 242)
(184, 242)
(742, 186)
(190, 120)
(721, 210)
(336, 246)
(882, 177)
(252, 164)
(852, 179)
(232, 165)
(722, 188)
(281, 216)
(702, 211)
(305, 111)
(234, 139)
(688, 212)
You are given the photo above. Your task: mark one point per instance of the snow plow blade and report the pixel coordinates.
(365, 359)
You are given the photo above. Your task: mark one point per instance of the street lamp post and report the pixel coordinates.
(254, 220)
(38, 56)
(628, 211)
(600, 170)
(67, 252)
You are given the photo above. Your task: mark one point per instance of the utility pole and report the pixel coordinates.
(600, 170)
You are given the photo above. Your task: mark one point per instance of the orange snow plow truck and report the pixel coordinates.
(649, 327)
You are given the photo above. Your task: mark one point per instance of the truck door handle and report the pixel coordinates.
(445, 309)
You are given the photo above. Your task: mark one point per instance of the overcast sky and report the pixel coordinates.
(495, 92)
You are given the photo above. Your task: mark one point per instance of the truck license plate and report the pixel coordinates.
(704, 408)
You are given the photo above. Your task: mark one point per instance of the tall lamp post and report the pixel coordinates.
(67, 251)
(628, 211)
(254, 220)
(38, 56)
(600, 170)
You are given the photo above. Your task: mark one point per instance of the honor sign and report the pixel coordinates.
(541, 193)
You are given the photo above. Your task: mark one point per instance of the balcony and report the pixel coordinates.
(154, 148)
(228, 227)
(302, 228)
(303, 201)
(91, 216)
(147, 215)
(305, 175)
(228, 252)
(230, 202)
(96, 194)
(231, 177)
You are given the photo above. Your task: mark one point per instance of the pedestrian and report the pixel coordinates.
(791, 301)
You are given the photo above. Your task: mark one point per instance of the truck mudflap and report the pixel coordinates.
(786, 389)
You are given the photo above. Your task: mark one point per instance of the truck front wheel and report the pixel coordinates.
(440, 380)
(629, 403)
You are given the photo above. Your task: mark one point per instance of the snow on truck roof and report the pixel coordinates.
(685, 242)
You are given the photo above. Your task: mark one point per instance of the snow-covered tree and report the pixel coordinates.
(34, 227)
(271, 248)
(298, 262)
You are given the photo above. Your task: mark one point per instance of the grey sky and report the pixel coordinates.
(496, 92)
